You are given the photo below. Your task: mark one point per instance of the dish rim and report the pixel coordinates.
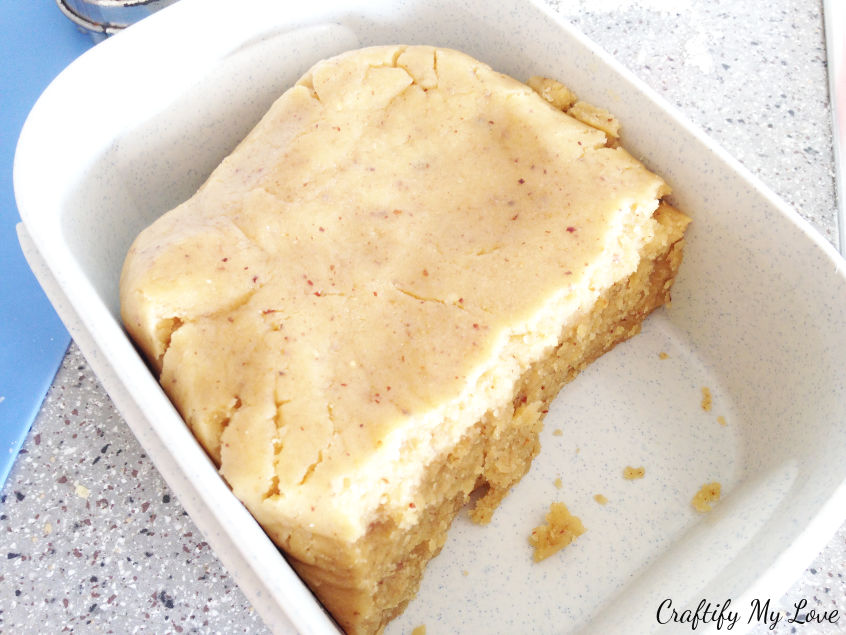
(84, 309)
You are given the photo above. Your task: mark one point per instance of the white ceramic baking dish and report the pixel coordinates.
(758, 317)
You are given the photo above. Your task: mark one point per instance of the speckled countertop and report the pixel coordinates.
(93, 541)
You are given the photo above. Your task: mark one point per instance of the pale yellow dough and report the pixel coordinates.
(360, 286)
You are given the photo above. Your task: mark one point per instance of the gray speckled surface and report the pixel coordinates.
(94, 542)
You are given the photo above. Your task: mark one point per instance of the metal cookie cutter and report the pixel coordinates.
(106, 17)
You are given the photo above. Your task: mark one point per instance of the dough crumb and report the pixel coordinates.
(565, 99)
(553, 91)
(707, 494)
(706, 399)
(558, 432)
(557, 482)
(560, 530)
(419, 630)
(632, 473)
(596, 117)
(599, 498)
(663, 355)
(721, 420)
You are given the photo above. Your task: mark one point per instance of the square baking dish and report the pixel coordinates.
(758, 318)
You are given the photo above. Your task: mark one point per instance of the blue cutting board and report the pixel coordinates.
(36, 42)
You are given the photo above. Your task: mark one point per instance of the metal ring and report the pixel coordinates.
(109, 16)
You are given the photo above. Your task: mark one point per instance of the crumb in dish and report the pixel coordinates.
(706, 399)
(707, 495)
(560, 530)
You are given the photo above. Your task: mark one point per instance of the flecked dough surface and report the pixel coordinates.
(363, 254)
